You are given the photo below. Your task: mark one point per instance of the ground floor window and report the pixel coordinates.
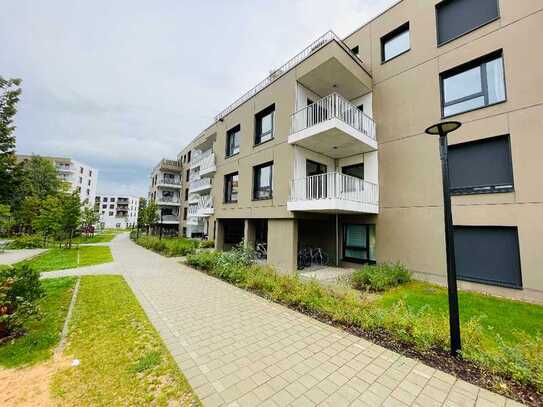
(488, 254)
(359, 243)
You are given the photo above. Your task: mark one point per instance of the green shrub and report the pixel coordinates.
(203, 260)
(380, 277)
(26, 242)
(207, 244)
(20, 288)
(168, 246)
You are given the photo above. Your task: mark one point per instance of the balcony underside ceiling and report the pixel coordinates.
(334, 139)
(332, 206)
(333, 69)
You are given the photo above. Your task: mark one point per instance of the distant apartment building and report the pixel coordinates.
(80, 177)
(329, 151)
(165, 191)
(117, 211)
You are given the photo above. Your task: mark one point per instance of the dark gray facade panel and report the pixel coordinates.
(488, 254)
(457, 17)
(481, 163)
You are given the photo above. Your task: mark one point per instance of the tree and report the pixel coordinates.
(141, 211)
(89, 218)
(48, 221)
(40, 178)
(10, 92)
(71, 215)
(150, 215)
(6, 220)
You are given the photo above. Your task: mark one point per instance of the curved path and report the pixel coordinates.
(237, 349)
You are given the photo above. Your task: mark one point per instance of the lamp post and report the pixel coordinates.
(441, 130)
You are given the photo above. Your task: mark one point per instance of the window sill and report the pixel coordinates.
(264, 142)
(483, 190)
(472, 110)
(226, 157)
(262, 199)
(395, 56)
(230, 202)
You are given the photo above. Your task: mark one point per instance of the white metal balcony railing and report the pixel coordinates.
(205, 202)
(193, 198)
(199, 183)
(306, 52)
(169, 218)
(207, 162)
(168, 199)
(330, 107)
(192, 210)
(197, 157)
(169, 181)
(334, 185)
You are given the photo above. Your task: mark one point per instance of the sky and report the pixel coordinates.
(119, 84)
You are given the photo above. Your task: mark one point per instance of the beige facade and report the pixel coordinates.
(315, 121)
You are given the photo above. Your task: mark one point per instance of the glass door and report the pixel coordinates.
(359, 243)
(316, 183)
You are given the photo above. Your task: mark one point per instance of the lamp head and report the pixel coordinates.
(443, 128)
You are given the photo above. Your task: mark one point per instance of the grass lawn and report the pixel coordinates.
(123, 360)
(97, 238)
(43, 333)
(497, 315)
(59, 259)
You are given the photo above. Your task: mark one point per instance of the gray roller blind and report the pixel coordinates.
(481, 166)
(488, 254)
(457, 17)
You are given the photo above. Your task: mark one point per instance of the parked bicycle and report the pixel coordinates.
(309, 256)
(261, 251)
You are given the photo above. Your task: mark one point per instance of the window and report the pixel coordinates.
(355, 50)
(188, 156)
(481, 166)
(188, 175)
(112, 199)
(488, 254)
(80, 180)
(356, 170)
(232, 141)
(264, 125)
(359, 243)
(80, 169)
(111, 206)
(458, 17)
(88, 191)
(104, 206)
(105, 199)
(231, 187)
(185, 213)
(89, 182)
(473, 85)
(262, 186)
(110, 213)
(186, 194)
(395, 43)
(90, 173)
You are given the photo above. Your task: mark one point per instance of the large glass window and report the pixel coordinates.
(232, 141)
(359, 243)
(231, 182)
(395, 43)
(264, 122)
(473, 85)
(262, 188)
(458, 17)
(481, 166)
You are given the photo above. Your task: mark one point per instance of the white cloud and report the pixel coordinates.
(120, 84)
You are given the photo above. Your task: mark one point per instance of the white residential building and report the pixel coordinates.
(117, 211)
(80, 177)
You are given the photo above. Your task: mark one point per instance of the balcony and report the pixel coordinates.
(169, 219)
(168, 200)
(200, 185)
(333, 192)
(168, 165)
(205, 162)
(205, 206)
(334, 127)
(169, 182)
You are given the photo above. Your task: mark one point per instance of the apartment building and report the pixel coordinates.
(165, 191)
(80, 177)
(116, 211)
(329, 151)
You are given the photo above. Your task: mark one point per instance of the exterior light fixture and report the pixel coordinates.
(441, 130)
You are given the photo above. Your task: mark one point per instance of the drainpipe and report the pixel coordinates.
(337, 240)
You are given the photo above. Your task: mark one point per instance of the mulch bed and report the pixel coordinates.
(436, 358)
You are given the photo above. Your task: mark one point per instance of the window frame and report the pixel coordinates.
(367, 226)
(227, 195)
(257, 168)
(258, 125)
(391, 35)
(457, 70)
(488, 188)
(236, 130)
(444, 2)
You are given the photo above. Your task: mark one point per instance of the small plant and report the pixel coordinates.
(203, 260)
(26, 242)
(207, 244)
(380, 277)
(168, 246)
(20, 288)
(150, 360)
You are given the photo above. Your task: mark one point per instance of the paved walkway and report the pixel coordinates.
(237, 349)
(14, 256)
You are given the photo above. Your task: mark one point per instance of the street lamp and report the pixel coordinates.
(441, 130)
